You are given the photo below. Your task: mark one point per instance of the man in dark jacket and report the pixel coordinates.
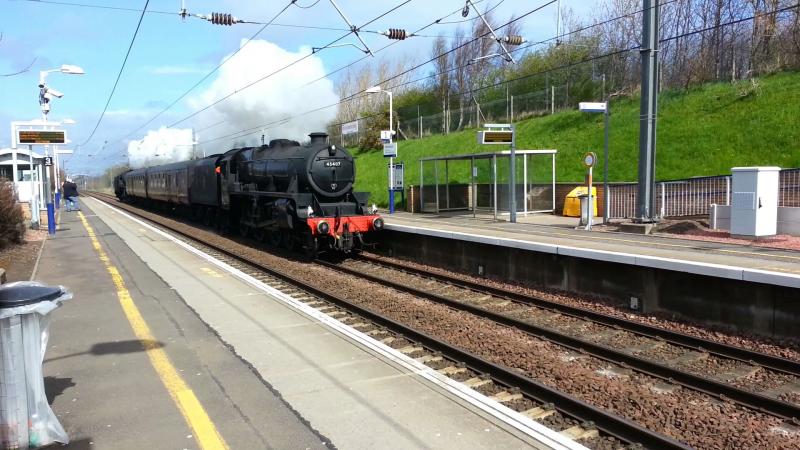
(70, 190)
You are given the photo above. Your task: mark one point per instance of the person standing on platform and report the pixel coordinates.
(70, 190)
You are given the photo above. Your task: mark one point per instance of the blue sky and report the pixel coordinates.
(169, 56)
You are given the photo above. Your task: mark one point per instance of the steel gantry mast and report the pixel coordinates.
(649, 109)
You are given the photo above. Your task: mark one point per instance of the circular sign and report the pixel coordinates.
(589, 159)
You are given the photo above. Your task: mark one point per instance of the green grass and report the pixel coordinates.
(703, 131)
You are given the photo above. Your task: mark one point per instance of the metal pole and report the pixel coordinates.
(421, 187)
(56, 177)
(447, 184)
(606, 211)
(512, 179)
(590, 212)
(525, 183)
(391, 159)
(494, 183)
(34, 204)
(474, 187)
(552, 99)
(553, 179)
(648, 112)
(436, 182)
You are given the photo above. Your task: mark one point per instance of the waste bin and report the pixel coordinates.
(584, 199)
(26, 420)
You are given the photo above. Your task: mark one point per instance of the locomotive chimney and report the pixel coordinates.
(319, 138)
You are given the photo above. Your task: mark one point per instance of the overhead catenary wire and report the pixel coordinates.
(119, 75)
(248, 131)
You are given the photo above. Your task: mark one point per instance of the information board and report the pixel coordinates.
(350, 127)
(390, 150)
(398, 176)
(41, 136)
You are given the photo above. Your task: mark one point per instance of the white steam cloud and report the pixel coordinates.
(273, 99)
(162, 146)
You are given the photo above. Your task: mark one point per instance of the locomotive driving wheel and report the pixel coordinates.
(259, 234)
(274, 238)
(288, 240)
(244, 229)
(311, 246)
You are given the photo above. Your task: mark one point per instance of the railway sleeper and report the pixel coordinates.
(581, 432)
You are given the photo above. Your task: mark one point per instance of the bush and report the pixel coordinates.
(12, 222)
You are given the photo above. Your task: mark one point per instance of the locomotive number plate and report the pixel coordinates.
(333, 164)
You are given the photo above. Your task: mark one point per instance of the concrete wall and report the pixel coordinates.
(746, 305)
(788, 219)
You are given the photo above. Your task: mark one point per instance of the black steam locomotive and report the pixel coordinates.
(298, 196)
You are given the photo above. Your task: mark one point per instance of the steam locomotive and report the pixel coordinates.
(297, 196)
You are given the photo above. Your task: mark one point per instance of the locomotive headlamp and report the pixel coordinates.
(332, 150)
(377, 223)
(323, 227)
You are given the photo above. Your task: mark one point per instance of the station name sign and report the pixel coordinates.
(41, 137)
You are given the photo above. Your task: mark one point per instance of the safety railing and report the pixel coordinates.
(694, 196)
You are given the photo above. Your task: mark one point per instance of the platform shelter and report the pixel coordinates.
(480, 183)
(15, 165)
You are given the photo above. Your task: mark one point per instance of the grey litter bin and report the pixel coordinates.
(584, 198)
(26, 420)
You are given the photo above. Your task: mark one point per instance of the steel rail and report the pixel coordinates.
(708, 386)
(685, 340)
(605, 421)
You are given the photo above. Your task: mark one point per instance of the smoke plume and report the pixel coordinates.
(274, 99)
(161, 146)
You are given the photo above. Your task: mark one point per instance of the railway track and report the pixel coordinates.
(752, 379)
(591, 425)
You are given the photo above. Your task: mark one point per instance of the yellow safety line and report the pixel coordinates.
(205, 432)
(633, 241)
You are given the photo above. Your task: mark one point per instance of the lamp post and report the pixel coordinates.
(375, 90)
(601, 107)
(45, 95)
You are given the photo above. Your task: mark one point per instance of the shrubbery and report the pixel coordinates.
(12, 221)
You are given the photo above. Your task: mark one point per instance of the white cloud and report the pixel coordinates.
(277, 97)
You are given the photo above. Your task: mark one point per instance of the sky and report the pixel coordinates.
(170, 55)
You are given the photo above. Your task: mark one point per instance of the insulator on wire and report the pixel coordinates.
(222, 19)
(397, 34)
(514, 40)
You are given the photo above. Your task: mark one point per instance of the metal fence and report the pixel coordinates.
(694, 196)
(410, 124)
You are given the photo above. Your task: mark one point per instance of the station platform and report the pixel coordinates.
(163, 347)
(556, 234)
(752, 289)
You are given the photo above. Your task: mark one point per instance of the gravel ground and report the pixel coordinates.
(19, 260)
(785, 348)
(691, 417)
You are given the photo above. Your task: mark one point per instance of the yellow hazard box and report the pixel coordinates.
(572, 203)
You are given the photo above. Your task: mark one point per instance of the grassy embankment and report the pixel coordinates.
(703, 131)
